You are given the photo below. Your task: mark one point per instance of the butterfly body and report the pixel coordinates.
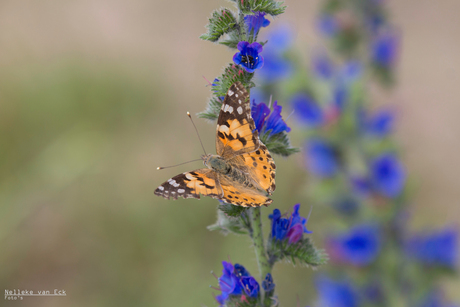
(243, 171)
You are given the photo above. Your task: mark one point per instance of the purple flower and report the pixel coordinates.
(321, 158)
(255, 22)
(384, 49)
(268, 284)
(336, 293)
(359, 246)
(268, 121)
(250, 286)
(388, 175)
(436, 248)
(292, 228)
(249, 57)
(307, 110)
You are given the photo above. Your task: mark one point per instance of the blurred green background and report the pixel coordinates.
(93, 96)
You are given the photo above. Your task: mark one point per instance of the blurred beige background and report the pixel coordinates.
(93, 96)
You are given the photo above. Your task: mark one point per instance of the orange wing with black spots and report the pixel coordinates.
(239, 195)
(250, 176)
(261, 168)
(191, 185)
(236, 131)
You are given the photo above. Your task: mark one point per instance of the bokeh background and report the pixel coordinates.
(93, 96)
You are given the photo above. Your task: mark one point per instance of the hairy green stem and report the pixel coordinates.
(258, 241)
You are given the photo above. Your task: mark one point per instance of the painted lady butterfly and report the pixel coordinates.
(243, 171)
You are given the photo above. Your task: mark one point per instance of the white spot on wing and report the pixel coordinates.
(161, 188)
(239, 110)
(228, 108)
(224, 128)
(236, 95)
(180, 191)
(230, 93)
(189, 176)
(239, 100)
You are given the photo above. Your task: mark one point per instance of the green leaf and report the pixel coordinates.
(302, 252)
(270, 7)
(221, 22)
(212, 110)
(231, 220)
(278, 143)
(232, 74)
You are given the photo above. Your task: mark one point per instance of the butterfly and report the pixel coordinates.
(243, 171)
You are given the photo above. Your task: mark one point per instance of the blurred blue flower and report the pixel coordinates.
(322, 66)
(240, 271)
(268, 121)
(280, 38)
(340, 96)
(268, 284)
(255, 22)
(384, 49)
(307, 110)
(350, 71)
(292, 228)
(250, 286)
(361, 186)
(388, 175)
(438, 248)
(359, 246)
(276, 66)
(321, 158)
(249, 57)
(328, 25)
(379, 124)
(336, 293)
(434, 299)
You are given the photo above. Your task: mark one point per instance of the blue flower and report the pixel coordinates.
(280, 39)
(321, 158)
(229, 282)
(268, 121)
(249, 57)
(307, 110)
(380, 124)
(292, 228)
(323, 66)
(384, 49)
(359, 246)
(336, 293)
(328, 25)
(250, 286)
(340, 96)
(275, 122)
(234, 280)
(434, 299)
(268, 284)
(255, 22)
(436, 248)
(388, 175)
(276, 66)
(280, 226)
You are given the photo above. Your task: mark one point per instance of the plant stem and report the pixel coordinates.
(258, 241)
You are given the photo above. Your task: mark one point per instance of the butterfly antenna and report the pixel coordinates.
(309, 213)
(189, 116)
(207, 81)
(163, 167)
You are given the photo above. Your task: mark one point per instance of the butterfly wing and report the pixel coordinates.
(239, 195)
(191, 185)
(236, 131)
(259, 166)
